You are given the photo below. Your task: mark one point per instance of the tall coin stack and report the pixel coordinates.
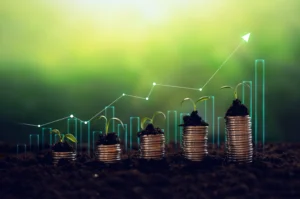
(194, 142)
(70, 156)
(239, 138)
(152, 146)
(108, 153)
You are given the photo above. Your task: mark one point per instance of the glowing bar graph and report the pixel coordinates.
(169, 124)
(24, 149)
(56, 137)
(72, 128)
(94, 140)
(219, 131)
(47, 131)
(110, 113)
(259, 66)
(212, 122)
(181, 115)
(37, 141)
(123, 132)
(250, 95)
(86, 135)
(135, 128)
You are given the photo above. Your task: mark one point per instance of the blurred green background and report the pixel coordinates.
(76, 56)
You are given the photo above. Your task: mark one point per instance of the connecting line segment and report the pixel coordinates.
(182, 87)
(226, 60)
(106, 106)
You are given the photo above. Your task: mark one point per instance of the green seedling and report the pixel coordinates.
(62, 137)
(195, 103)
(151, 120)
(235, 89)
(107, 122)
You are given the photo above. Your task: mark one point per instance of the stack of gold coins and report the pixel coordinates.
(152, 146)
(239, 139)
(108, 153)
(70, 156)
(194, 142)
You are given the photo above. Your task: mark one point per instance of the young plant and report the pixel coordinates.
(195, 103)
(151, 120)
(237, 108)
(235, 89)
(107, 122)
(62, 137)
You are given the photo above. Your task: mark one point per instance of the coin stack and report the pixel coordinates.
(239, 138)
(152, 146)
(70, 156)
(108, 153)
(194, 142)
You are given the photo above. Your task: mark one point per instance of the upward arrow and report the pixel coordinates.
(246, 37)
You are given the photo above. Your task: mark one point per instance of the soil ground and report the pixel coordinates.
(274, 173)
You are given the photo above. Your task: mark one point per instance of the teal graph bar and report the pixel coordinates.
(175, 126)
(181, 115)
(125, 134)
(260, 64)
(219, 128)
(205, 110)
(31, 137)
(250, 95)
(137, 129)
(45, 130)
(108, 115)
(56, 138)
(18, 148)
(213, 118)
(94, 140)
(72, 128)
(86, 135)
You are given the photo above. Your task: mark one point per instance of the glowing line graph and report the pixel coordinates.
(245, 39)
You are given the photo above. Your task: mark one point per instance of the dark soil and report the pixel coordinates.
(273, 174)
(150, 130)
(109, 139)
(193, 120)
(237, 109)
(62, 147)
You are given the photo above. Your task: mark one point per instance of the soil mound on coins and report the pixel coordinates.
(150, 130)
(237, 109)
(193, 120)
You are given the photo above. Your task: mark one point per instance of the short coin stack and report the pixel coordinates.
(70, 156)
(194, 142)
(108, 153)
(152, 146)
(239, 139)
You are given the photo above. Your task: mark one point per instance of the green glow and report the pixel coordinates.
(78, 57)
